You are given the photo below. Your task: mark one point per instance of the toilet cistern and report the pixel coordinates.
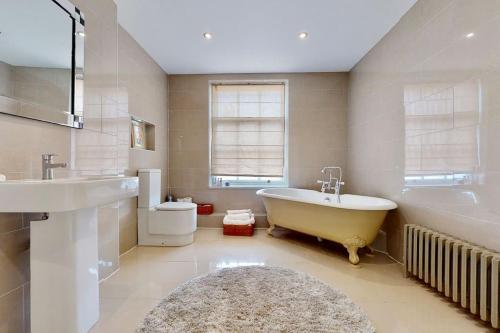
(48, 165)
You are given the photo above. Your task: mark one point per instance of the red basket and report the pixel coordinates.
(238, 230)
(205, 209)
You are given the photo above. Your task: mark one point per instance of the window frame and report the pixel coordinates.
(253, 183)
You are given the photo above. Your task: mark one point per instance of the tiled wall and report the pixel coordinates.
(96, 149)
(22, 143)
(317, 136)
(120, 79)
(15, 273)
(143, 93)
(425, 102)
(6, 87)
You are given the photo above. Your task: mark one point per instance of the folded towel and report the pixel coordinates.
(244, 216)
(239, 211)
(228, 220)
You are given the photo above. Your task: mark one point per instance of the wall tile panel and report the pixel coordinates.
(317, 122)
(426, 54)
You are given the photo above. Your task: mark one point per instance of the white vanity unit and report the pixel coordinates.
(64, 279)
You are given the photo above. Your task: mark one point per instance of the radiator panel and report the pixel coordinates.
(467, 274)
(427, 263)
(495, 292)
(457, 266)
(433, 259)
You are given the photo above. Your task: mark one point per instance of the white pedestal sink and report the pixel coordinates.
(64, 279)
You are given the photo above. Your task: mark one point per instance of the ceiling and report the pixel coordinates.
(258, 36)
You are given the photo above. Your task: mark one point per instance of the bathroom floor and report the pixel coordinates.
(393, 303)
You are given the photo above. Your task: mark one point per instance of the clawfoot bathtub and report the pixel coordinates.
(354, 222)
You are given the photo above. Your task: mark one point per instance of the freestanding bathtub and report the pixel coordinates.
(354, 222)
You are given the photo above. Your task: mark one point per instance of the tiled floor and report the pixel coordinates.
(393, 303)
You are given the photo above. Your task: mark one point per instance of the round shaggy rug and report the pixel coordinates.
(256, 299)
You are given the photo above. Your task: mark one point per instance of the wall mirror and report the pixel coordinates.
(41, 61)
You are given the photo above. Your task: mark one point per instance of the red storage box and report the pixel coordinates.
(238, 230)
(204, 209)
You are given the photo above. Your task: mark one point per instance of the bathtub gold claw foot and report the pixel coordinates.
(270, 229)
(352, 245)
(353, 254)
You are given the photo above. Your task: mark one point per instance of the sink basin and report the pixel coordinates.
(63, 245)
(64, 194)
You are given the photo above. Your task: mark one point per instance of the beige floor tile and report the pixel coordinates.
(152, 280)
(122, 315)
(393, 303)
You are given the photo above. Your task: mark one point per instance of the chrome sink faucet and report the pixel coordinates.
(48, 165)
(332, 182)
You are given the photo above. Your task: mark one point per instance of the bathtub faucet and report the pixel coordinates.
(324, 185)
(332, 182)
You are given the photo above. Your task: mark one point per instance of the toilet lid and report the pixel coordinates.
(176, 206)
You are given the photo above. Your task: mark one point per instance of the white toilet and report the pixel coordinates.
(166, 224)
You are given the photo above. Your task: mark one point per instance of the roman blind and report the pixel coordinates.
(441, 122)
(248, 129)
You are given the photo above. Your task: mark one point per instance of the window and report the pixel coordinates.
(441, 127)
(248, 136)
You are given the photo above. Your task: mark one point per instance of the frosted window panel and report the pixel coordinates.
(248, 130)
(248, 152)
(264, 125)
(248, 138)
(441, 130)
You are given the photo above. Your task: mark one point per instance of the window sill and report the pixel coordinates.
(247, 187)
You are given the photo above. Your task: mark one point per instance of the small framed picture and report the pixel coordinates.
(138, 134)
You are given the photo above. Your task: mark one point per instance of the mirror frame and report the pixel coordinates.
(69, 117)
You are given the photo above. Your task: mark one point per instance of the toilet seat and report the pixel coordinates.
(169, 206)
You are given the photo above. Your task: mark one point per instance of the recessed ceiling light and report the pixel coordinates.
(208, 35)
(303, 35)
(80, 33)
(470, 35)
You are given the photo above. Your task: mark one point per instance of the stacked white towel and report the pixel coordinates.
(239, 217)
(238, 211)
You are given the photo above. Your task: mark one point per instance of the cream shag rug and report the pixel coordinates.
(256, 299)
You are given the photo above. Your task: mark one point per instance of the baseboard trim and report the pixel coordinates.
(110, 275)
(389, 256)
(117, 269)
(220, 228)
(129, 250)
